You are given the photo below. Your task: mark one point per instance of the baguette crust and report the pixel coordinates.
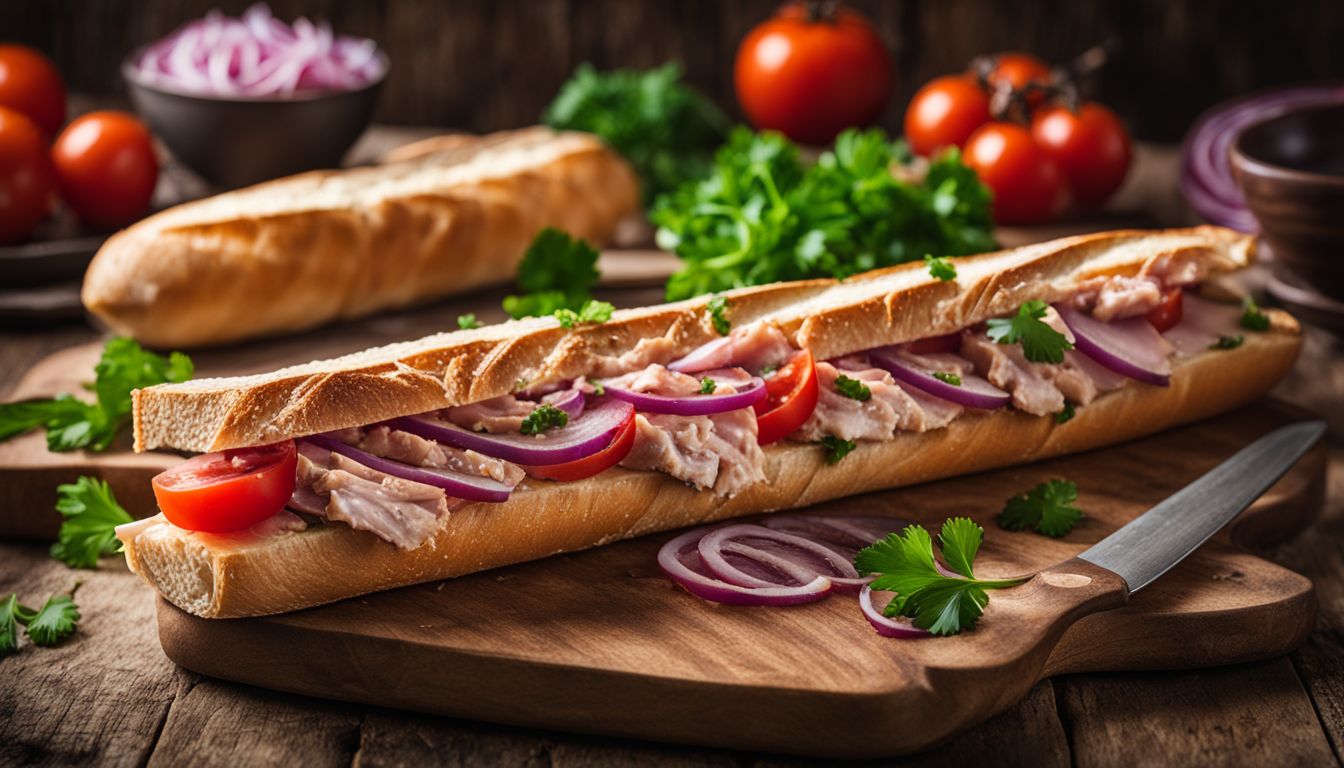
(243, 575)
(828, 317)
(299, 252)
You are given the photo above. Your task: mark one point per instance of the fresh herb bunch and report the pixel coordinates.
(557, 272)
(944, 605)
(48, 625)
(665, 128)
(763, 215)
(1048, 508)
(72, 423)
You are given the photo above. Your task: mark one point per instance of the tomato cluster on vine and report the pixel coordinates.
(1021, 126)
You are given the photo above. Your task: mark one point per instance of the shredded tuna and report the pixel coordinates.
(758, 345)
(399, 511)
(1117, 296)
(1038, 388)
(498, 414)
(412, 449)
(646, 352)
(1174, 270)
(892, 405)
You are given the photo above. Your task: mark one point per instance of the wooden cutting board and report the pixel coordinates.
(601, 642)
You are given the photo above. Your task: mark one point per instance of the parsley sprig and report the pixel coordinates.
(1048, 508)
(1228, 342)
(592, 311)
(718, 314)
(836, 448)
(853, 388)
(91, 514)
(940, 268)
(46, 626)
(1252, 317)
(557, 272)
(72, 423)
(467, 322)
(1040, 343)
(544, 417)
(948, 377)
(944, 605)
(708, 385)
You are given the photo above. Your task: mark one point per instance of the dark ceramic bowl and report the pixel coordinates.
(233, 141)
(1291, 168)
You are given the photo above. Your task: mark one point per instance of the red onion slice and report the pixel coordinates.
(571, 401)
(458, 484)
(679, 559)
(899, 626)
(796, 558)
(1130, 346)
(692, 405)
(974, 391)
(584, 436)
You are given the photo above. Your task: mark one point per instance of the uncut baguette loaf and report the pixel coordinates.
(302, 251)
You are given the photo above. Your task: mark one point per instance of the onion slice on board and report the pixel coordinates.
(899, 626)
(584, 436)
(692, 405)
(680, 560)
(1131, 346)
(458, 484)
(794, 558)
(974, 392)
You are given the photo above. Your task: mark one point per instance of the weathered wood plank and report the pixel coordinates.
(389, 739)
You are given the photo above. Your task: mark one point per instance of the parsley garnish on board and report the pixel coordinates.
(1048, 508)
(72, 423)
(947, 377)
(1252, 317)
(48, 625)
(666, 129)
(718, 314)
(544, 417)
(467, 322)
(707, 386)
(940, 268)
(1228, 342)
(836, 448)
(764, 215)
(1040, 343)
(944, 605)
(557, 272)
(853, 388)
(592, 311)
(91, 513)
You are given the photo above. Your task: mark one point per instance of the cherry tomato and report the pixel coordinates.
(1091, 147)
(1027, 183)
(590, 465)
(106, 168)
(944, 113)
(811, 74)
(228, 491)
(791, 396)
(934, 345)
(30, 84)
(1169, 313)
(1020, 70)
(27, 179)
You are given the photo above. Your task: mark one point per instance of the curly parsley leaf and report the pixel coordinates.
(467, 322)
(836, 448)
(1252, 317)
(557, 272)
(718, 314)
(91, 514)
(72, 423)
(1067, 414)
(543, 418)
(1228, 342)
(707, 386)
(904, 564)
(1040, 343)
(9, 625)
(1048, 508)
(665, 128)
(940, 268)
(948, 377)
(853, 388)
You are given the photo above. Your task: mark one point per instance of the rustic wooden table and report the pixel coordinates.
(109, 696)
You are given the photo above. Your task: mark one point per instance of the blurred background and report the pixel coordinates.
(483, 65)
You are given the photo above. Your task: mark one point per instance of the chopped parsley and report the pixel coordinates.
(940, 268)
(947, 377)
(836, 449)
(557, 272)
(599, 388)
(46, 626)
(707, 386)
(467, 322)
(592, 311)
(91, 513)
(769, 371)
(1252, 317)
(1228, 342)
(718, 314)
(904, 564)
(543, 418)
(1048, 508)
(853, 388)
(1066, 414)
(1040, 343)
(72, 423)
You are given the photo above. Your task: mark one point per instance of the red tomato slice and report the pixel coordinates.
(934, 345)
(228, 491)
(1169, 312)
(590, 465)
(791, 396)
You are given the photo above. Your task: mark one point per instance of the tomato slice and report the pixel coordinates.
(1169, 312)
(791, 396)
(588, 466)
(934, 345)
(228, 491)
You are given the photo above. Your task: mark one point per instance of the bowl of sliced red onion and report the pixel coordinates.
(242, 100)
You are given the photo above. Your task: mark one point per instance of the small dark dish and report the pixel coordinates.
(236, 141)
(1291, 168)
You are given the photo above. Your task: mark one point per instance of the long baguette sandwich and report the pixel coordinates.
(474, 449)
(303, 251)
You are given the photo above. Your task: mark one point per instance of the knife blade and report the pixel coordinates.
(1152, 543)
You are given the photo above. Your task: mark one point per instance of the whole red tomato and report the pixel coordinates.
(30, 84)
(944, 113)
(1020, 70)
(106, 168)
(810, 73)
(1027, 183)
(1090, 145)
(26, 177)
